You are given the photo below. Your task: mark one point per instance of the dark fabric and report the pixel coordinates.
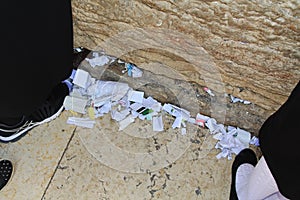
(280, 144)
(36, 52)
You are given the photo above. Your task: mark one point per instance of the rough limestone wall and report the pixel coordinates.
(253, 45)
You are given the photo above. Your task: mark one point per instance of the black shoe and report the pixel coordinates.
(6, 171)
(245, 156)
(51, 109)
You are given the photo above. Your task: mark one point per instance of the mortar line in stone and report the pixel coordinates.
(60, 160)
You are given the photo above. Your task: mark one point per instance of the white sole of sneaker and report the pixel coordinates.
(30, 126)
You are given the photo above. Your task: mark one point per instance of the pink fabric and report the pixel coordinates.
(256, 183)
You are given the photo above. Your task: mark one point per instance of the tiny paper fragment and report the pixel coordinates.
(177, 122)
(183, 131)
(209, 91)
(98, 60)
(82, 122)
(235, 100)
(133, 70)
(201, 119)
(157, 123)
(254, 141)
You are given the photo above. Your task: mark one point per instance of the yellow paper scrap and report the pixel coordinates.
(91, 113)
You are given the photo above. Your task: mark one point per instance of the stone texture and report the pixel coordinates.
(166, 88)
(246, 48)
(60, 161)
(35, 157)
(91, 170)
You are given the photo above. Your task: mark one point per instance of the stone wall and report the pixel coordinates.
(250, 49)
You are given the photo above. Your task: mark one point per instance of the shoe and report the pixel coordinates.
(245, 156)
(10, 132)
(6, 171)
(51, 109)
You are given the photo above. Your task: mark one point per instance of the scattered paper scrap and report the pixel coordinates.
(213, 127)
(91, 112)
(232, 141)
(98, 97)
(177, 122)
(183, 131)
(104, 109)
(78, 49)
(152, 104)
(121, 61)
(254, 141)
(176, 111)
(98, 61)
(209, 91)
(82, 122)
(191, 120)
(132, 70)
(82, 78)
(137, 106)
(201, 120)
(157, 123)
(235, 100)
(75, 104)
(119, 116)
(136, 96)
(103, 91)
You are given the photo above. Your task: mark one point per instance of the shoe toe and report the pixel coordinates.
(6, 170)
(245, 156)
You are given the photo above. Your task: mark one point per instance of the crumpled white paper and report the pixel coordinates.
(104, 96)
(232, 141)
(118, 116)
(107, 90)
(213, 127)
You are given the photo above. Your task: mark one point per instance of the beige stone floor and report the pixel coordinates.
(60, 161)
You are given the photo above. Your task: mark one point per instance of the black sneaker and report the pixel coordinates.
(245, 156)
(6, 171)
(45, 113)
(11, 132)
